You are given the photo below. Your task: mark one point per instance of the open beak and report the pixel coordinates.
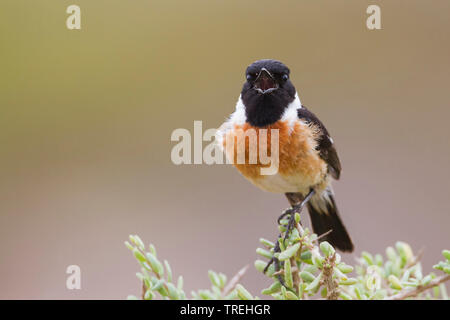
(265, 82)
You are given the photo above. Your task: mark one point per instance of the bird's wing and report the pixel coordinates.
(325, 144)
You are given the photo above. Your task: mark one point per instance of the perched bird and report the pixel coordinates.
(307, 155)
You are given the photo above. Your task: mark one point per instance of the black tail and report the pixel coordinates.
(325, 217)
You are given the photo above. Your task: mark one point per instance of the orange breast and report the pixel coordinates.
(299, 163)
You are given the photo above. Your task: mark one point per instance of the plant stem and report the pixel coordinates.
(416, 291)
(330, 283)
(234, 281)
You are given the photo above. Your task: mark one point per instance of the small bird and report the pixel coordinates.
(307, 155)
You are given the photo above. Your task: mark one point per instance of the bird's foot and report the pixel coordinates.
(285, 213)
(297, 208)
(276, 263)
(291, 222)
(289, 226)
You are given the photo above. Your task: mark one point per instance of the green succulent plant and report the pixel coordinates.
(308, 269)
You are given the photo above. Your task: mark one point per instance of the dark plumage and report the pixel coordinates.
(325, 145)
(264, 109)
(307, 154)
(323, 222)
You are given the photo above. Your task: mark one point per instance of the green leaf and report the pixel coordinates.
(274, 288)
(345, 268)
(152, 249)
(339, 275)
(223, 280)
(443, 267)
(318, 261)
(446, 254)
(289, 252)
(138, 254)
(326, 248)
(379, 260)
(405, 252)
(267, 243)
(217, 292)
(158, 285)
(242, 293)
(278, 296)
(371, 282)
(301, 289)
(388, 266)
(137, 241)
(426, 280)
(205, 295)
(307, 276)
(264, 253)
(443, 289)
(288, 274)
(260, 265)
(395, 282)
(306, 255)
(148, 295)
(214, 278)
(281, 244)
(418, 271)
(155, 264)
(168, 271)
(406, 275)
(314, 284)
(324, 292)
(140, 276)
(311, 269)
(348, 282)
(290, 295)
(129, 246)
(232, 295)
(436, 292)
(358, 293)
(391, 254)
(367, 257)
(162, 291)
(180, 283)
(379, 295)
(345, 296)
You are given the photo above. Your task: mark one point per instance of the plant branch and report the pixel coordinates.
(323, 235)
(295, 275)
(416, 259)
(416, 291)
(330, 283)
(235, 280)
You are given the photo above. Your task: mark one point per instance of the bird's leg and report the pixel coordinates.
(291, 212)
(287, 212)
(276, 262)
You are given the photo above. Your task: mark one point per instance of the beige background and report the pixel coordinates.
(86, 118)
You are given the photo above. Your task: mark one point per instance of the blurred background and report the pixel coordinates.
(86, 118)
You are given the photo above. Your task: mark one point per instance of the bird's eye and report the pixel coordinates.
(250, 76)
(285, 77)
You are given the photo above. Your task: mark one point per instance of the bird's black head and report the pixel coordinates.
(267, 92)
